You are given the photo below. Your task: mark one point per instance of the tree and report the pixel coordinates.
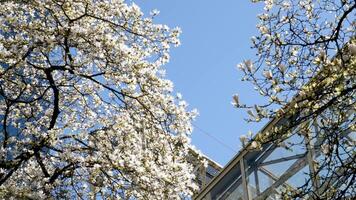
(306, 70)
(85, 109)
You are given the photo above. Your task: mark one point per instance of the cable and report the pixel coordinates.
(214, 138)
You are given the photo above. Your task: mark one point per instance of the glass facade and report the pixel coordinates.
(266, 173)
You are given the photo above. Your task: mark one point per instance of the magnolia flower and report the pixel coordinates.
(268, 4)
(243, 139)
(236, 100)
(282, 68)
(322, 55)
(249, 133)
(263, 29)
(89, 113)
(249, 112)
(306, 71)
(154, 12)
(240, 66)
(249, 65)
(254, 145)
(352, 49)
(325, 148)
(268, 74)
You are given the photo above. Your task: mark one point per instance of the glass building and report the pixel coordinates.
(267, 172)
(313, 150)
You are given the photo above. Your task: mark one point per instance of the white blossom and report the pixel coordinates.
(88, 109)
(305, 69)
(352, 48)
(236, 101)
(268, 74)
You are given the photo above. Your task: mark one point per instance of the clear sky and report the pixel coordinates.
(216, 36)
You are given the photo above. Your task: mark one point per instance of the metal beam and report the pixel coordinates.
(296, 166)
(283, 159)
(251, 169)
(203, 176)
(244, 182)
(235, 161)
(274, 177)
(311, 155)
(257, 182)
(268, 151)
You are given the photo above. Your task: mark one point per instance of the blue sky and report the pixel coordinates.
(216, 36)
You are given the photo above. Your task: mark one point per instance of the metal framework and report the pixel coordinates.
(204, 174)
(265, 173)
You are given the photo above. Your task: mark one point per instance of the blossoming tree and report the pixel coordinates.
(306, 70)
(85, 110)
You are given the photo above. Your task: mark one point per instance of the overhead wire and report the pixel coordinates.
(214, 138)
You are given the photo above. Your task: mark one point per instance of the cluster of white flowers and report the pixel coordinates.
(85, 110)
(296, 41)
(305, 67)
